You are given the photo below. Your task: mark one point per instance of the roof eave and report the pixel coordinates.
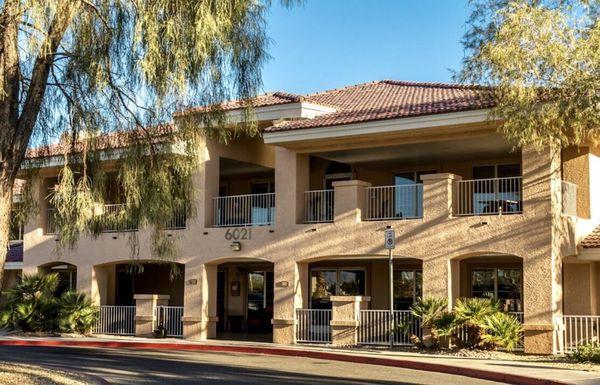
(377, 126)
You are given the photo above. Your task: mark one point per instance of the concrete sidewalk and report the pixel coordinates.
(514, 372)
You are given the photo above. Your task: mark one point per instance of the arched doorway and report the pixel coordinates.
(67, 275)
(118, 282)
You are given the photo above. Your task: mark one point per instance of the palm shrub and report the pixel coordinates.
(29, 305)
(471, 315)
(429, 309)
(32, 306)
(501, 330)
(76, 313)
(436, 320)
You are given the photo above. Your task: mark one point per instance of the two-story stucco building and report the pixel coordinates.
(295, 217)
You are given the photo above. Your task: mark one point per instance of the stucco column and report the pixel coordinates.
(291, 289)
(542, 265)
(87, 282)
(437, 196)
(200, 302)
(437, 208)
(345, 316)
(350, 199)
(208, 180)
(144, 312)
(291, 181)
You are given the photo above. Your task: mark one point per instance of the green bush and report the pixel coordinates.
(474, 323)
(76, 313)
(471, 315)
(501, 330)
(429, 309)
(588, 353)
(32, 306)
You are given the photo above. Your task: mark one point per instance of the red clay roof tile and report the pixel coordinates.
(592, 240)
(389, 99)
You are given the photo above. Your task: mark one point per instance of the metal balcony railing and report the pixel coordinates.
(112, 219)
(494, 196)
(244, 210)
(318, 206)
(394, 202)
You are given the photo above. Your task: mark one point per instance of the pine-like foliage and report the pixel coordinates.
(541, 58)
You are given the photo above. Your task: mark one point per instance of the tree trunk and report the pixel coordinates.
(6, 186)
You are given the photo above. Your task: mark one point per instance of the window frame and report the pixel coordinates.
(337, 278)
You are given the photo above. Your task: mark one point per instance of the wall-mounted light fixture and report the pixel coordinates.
(235, 246)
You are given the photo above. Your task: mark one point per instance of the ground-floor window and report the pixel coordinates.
(327, 282)
(408, 287)
(504, 284)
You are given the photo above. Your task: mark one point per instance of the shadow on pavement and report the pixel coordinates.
(147, 367)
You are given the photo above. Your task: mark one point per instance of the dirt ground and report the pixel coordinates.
(13, 374)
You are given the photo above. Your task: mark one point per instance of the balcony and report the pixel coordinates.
(318, 206)
(493, 196)
(112, 219)
(244, 210)
(394, 202)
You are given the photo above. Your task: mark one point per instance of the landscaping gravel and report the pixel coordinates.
(564, 362)
(11, 374)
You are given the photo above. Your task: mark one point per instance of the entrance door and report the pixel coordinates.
(260, 301)
(124, 295)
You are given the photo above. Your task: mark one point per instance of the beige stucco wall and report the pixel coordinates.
(580, 287)
(576, 162)
(436, 239)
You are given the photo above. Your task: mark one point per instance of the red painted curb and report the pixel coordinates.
(507, 378)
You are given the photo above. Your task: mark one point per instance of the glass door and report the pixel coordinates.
(260, 301)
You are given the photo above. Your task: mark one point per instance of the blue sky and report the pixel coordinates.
(326, 44)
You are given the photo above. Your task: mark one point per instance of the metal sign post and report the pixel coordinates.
(390, 244)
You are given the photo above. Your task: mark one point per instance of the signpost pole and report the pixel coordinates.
(390, 244)
(392, 325)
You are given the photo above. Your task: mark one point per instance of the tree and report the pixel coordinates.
(98, 74)
(541, 59)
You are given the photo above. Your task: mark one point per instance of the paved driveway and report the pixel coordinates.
(132, 367)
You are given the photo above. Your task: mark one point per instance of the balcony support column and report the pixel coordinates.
(437, 207)
(200, 301)
(350, 200)
(291, 181)
(291, 293)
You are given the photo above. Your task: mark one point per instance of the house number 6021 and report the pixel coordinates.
(238, 234)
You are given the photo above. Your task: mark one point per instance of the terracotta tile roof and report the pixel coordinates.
(263, 100)
(389, 99)
(386, 99)
(592, 240)
(114, 140)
